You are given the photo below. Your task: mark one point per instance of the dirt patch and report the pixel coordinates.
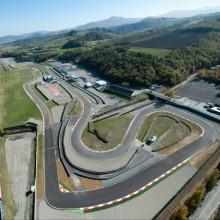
(64, 179)
(40, 168)
(90, 184)
(202, 156)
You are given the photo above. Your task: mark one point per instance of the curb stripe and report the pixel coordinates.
(86, 209)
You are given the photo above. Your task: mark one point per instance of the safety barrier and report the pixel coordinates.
(29, 127)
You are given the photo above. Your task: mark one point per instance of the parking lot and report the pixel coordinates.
(201, 91)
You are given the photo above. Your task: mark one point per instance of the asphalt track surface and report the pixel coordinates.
(60, 200)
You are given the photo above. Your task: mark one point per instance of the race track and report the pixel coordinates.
(85, 199)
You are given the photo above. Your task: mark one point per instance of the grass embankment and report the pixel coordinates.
(76, 108)
(169, 128)
(9, 205)
(16, 106)
(40, 168)
(151, 51)
(112, 130)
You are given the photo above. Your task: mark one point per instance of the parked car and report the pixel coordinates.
(151, 140)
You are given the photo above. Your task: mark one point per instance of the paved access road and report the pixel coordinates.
(89, 198)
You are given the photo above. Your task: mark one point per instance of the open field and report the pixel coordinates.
(112, 130)
(9, 205)
(168, 128)
(16, 105)
(152, 51)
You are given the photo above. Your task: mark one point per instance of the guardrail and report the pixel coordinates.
(118, 108)
(95, 97)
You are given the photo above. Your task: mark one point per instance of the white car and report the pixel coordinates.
(151, 140)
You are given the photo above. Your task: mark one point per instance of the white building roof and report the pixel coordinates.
(89, 84)
(47, 77)
(215, 109)
(101, 83)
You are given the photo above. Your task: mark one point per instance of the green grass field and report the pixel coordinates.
(113, 130)
(151, 51)
(170, 129)
(16, 106)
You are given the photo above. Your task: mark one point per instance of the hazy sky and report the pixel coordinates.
(20, 16)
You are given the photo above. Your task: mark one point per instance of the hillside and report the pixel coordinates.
(13, 38)
(164, 55)
(174, 39)
(186, 33)
(57, 41)
(155, 23)
(148, 23)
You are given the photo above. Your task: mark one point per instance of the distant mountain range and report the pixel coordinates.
(12, 38)
(123, 25)
(109, 23)
(190, 13)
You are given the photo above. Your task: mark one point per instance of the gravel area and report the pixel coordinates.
(19, 150)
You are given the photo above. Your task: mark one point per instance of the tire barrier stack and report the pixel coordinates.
(29, 127)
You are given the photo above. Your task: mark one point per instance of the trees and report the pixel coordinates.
(118, 64)
(212, 180)
(73, 44)
(210, 75)
(197, 197)
(180, 214)
(125, 84)
(170, 93)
